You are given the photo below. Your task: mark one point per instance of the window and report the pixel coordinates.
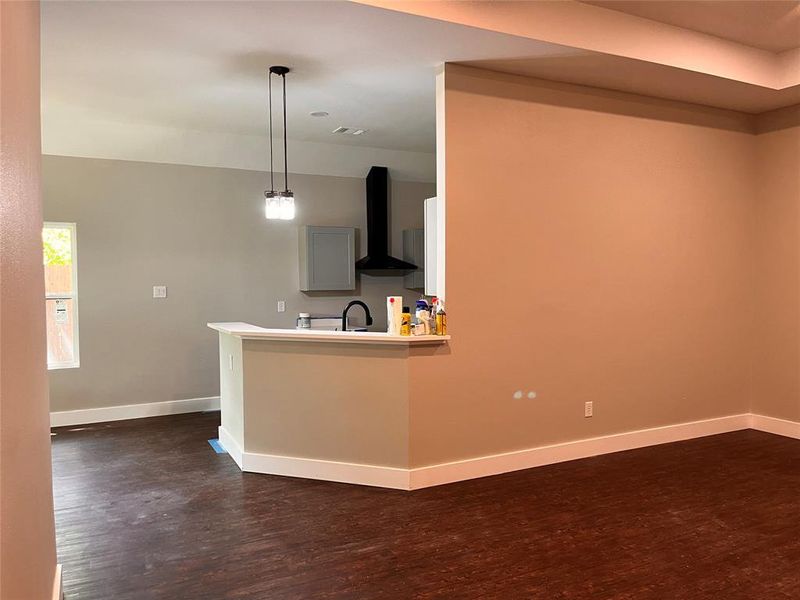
(61, 294)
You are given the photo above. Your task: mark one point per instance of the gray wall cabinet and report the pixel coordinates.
(327, 258)
(414, 252)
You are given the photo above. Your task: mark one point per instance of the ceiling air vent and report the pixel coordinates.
(350, 130)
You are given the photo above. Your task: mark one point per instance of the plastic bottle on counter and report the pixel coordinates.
(423, 315)
(405, 322)
(434, 310)
(441, 318)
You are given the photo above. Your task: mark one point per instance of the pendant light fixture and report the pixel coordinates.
(279, 205)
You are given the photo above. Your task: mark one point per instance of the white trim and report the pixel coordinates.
(777, 426)
(309, 468)
(231, 446)
(546, 455)
(412, 479)
(327, 470)
(440, 474)
(58, 592)
(132, 411)
(441, 183)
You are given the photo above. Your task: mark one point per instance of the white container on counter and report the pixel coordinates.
(394, 314)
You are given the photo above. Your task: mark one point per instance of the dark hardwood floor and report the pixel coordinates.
(145, 509)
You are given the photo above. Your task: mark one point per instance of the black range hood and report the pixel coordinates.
(377, 261)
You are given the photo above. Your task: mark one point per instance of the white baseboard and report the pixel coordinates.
(327, 470)
(58, 592)
(412, 479)
(231, 446)
(309, 468)
(547, 455)
(777, 426)
(439, 474)
(132, 411)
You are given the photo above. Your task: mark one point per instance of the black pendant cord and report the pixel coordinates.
(271, 173)
(285, 150)
(280, 71)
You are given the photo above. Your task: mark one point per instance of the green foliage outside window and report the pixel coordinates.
(57, 246)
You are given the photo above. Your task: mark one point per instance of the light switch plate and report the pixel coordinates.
(281, 306)
(159, 291)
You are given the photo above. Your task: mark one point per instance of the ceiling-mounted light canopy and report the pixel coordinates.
(279, 205)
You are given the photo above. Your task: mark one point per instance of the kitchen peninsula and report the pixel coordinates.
(328, 405)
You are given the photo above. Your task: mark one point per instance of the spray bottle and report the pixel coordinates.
(441, 318)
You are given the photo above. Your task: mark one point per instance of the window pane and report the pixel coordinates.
(60, 348)
(57, 245)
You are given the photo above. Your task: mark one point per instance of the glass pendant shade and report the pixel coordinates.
(286, 210)
(273, 205)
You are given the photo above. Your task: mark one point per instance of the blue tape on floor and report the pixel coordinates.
(217, 446)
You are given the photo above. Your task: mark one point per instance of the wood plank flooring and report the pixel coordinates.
(145, 509)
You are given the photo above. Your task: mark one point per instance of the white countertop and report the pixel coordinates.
(254, 332)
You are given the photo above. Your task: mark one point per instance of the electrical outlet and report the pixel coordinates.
(588, 409)
(281, 305)
(159, 291)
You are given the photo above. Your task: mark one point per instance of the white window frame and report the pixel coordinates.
(73, 237)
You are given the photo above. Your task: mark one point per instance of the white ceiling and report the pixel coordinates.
(185, 81)
(202, 66)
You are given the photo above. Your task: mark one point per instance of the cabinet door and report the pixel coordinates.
(327, 258)
(414, 252)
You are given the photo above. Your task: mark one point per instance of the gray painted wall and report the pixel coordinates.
(200, 231)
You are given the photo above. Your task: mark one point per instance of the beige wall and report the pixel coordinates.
(635, 250)
(200, 231)
(614, 233)
(27, 538)
(338, 402)
(776, 383)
